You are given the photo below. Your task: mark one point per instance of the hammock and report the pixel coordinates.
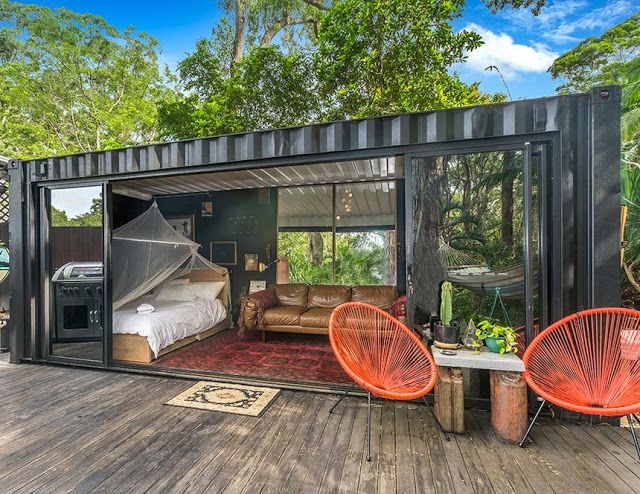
(147, 252)
(463, 270)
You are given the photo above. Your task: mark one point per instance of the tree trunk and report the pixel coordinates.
(316, 247)
(239, 27)
(506, 198)
(391, 247)
(428, 271)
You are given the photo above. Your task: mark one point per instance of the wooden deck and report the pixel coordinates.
(73, 430)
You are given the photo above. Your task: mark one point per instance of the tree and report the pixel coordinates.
(614, 58)
(534, 5)
(261, 21)
(71, 83)
(599, 60)
(93, 217)
(389, 56)
(266, 89)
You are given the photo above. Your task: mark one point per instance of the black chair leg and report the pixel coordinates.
(369, 427)
(533, 421)
(344, 395)
(634, 436)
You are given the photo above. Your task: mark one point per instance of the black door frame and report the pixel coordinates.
(46, 313)
(549, 200)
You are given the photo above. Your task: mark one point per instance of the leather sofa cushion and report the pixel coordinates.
(381, 296)
(283, 315)
(316, 317)
(328, 295)
(292, 294)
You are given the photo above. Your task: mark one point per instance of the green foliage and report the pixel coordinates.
(599, 60)
(534, 5)
(71, 83)
(388, 56)
(446, 300)
(505, 336)
(93, 217)
(614, 58)
(359, 258)
(266, 89)
(332, 60)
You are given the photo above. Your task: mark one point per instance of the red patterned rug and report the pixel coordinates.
(290, 357)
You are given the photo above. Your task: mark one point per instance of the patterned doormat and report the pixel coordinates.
(228, 398)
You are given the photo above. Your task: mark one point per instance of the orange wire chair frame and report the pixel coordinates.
(381, 355)
(589, 363)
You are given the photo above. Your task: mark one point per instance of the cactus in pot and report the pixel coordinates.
(446, 301)
(446, 333)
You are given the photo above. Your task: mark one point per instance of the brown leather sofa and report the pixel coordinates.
(302, 308)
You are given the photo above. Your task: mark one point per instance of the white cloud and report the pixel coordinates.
(597, 19)
(569, 21)
(511, 58)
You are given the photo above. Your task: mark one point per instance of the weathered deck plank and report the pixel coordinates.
(77, 430)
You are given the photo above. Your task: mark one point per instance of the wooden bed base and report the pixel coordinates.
(134, 349)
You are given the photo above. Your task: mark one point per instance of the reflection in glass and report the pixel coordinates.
(304, 232)
(366, 245)
(364, 217)
(75, 260)
(469, 224)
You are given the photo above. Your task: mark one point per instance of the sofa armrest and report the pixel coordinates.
(252, 309)
(399, 309)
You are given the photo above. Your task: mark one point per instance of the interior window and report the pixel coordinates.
(343, 234)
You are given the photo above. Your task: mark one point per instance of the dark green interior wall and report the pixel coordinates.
(126, 209)
(237, 216)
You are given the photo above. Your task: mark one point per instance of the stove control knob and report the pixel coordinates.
(99, 290)
(63, 292)
(87, 290)
(76, 290)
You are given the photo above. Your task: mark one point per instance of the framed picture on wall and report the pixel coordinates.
(251, 262)
(264, 196)
(224, 253)
(183, 224)
(206, 208)
(257, 286)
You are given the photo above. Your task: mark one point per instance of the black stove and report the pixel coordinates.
(78, 302)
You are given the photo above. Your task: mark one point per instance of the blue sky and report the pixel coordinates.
(521, 45)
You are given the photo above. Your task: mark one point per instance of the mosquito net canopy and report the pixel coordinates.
(147, 252)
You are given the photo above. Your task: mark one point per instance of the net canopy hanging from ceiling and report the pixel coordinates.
(147, 251)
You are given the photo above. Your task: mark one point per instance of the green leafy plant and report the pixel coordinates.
(505, 336)
(446, 301)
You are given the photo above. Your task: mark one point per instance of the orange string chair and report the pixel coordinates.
(588, 363)
(381, 355)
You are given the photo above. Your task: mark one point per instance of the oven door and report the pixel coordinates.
(74, 229)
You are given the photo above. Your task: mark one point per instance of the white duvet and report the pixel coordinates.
(170, 322)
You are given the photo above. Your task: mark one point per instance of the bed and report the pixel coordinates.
(140, 339)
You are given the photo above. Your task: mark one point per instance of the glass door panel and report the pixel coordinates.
(74, 271)
(477, 219)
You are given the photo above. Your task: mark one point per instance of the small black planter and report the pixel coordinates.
(446, 336)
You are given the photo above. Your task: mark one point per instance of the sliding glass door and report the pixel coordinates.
(73, 252)
(478, 219)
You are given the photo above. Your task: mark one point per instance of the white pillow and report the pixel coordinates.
(207, 290)
(189, 292)
(179, 281)
(176, 293)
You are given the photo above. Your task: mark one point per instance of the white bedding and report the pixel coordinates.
(170, 322)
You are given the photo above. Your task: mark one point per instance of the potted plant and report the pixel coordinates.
(499, 339)
(446, 333)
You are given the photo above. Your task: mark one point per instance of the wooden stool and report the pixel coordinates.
(508, 391)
